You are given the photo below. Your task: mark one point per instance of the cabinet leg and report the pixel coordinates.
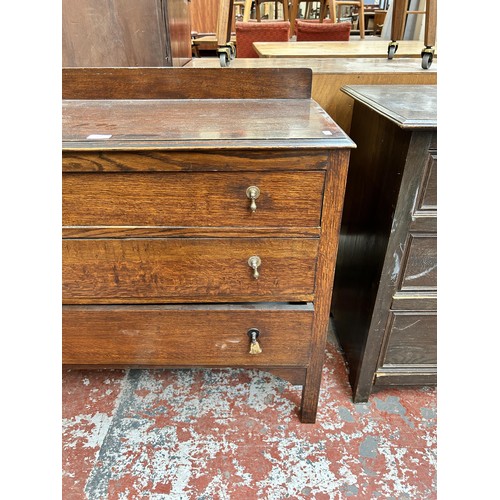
(310, 396)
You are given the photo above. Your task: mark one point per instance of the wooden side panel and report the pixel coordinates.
(193, 199)
(327, 253)
(373, 183)
(179, 31)
(187, 270)
(198, 336)
(186, 83)
(125, 33)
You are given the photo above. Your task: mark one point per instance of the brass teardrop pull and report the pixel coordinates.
(255, 348)
(254, 262)
(253, 192)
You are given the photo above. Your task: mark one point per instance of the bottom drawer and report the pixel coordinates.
(184, 336)
(409, 355)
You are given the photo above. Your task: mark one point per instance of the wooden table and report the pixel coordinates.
(361, 48)
(331, 74)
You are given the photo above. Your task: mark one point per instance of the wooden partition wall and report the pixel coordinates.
(125, 33)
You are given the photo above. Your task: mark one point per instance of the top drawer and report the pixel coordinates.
(200, 199)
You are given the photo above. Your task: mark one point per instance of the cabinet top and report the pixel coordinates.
(130, 124)
(409, 106)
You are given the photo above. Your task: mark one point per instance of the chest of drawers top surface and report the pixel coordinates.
(408, 106)
(127, 124)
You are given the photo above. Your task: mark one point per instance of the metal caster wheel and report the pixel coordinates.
(427, 56)
(233, 51)
(391, 50)
(224, 60)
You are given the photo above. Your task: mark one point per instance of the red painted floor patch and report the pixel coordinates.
(235, 434)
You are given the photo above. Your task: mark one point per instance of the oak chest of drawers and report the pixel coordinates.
(199, 232)
(385, 291)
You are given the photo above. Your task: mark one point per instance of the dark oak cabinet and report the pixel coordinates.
(384, 303)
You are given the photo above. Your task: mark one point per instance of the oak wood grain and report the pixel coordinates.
(154, 289)
(182, 270)
(193, 161)
(209, 199)
(327, 252)
(186, 83)
(170, 336)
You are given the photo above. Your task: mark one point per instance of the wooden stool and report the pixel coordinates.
(361, 12)
(258, 3)
(239, 10)
(399, 18)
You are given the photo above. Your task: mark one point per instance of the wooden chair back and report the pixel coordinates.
(325, 31)
(265, 31)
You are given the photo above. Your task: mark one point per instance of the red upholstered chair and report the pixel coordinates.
(325, 31)
(247, 33)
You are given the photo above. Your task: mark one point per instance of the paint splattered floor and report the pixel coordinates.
(235, 434)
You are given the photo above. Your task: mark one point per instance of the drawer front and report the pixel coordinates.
(200, 199)
(187, 270)
(186, 336)
(419, 270)
(411, 339)
(427, 202)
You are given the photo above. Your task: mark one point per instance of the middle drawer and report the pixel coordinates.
(201, 199)
(159, 270)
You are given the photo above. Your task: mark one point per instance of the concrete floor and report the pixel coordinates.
(235, 434)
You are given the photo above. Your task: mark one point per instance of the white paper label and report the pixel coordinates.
(99, 136)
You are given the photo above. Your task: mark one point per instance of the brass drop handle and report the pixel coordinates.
(255, 348)
(254, 262)
(253, 192)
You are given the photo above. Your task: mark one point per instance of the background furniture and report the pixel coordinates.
(248, 33)
(200, 221)
(207, 44)
(125, 33)
(203, 15)
(323, 10)
(358, 4)
(378, 21)
(283, 3)
(385, 290)
(331, 74)
(400, 14)
(310, 32)
(353, 48)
